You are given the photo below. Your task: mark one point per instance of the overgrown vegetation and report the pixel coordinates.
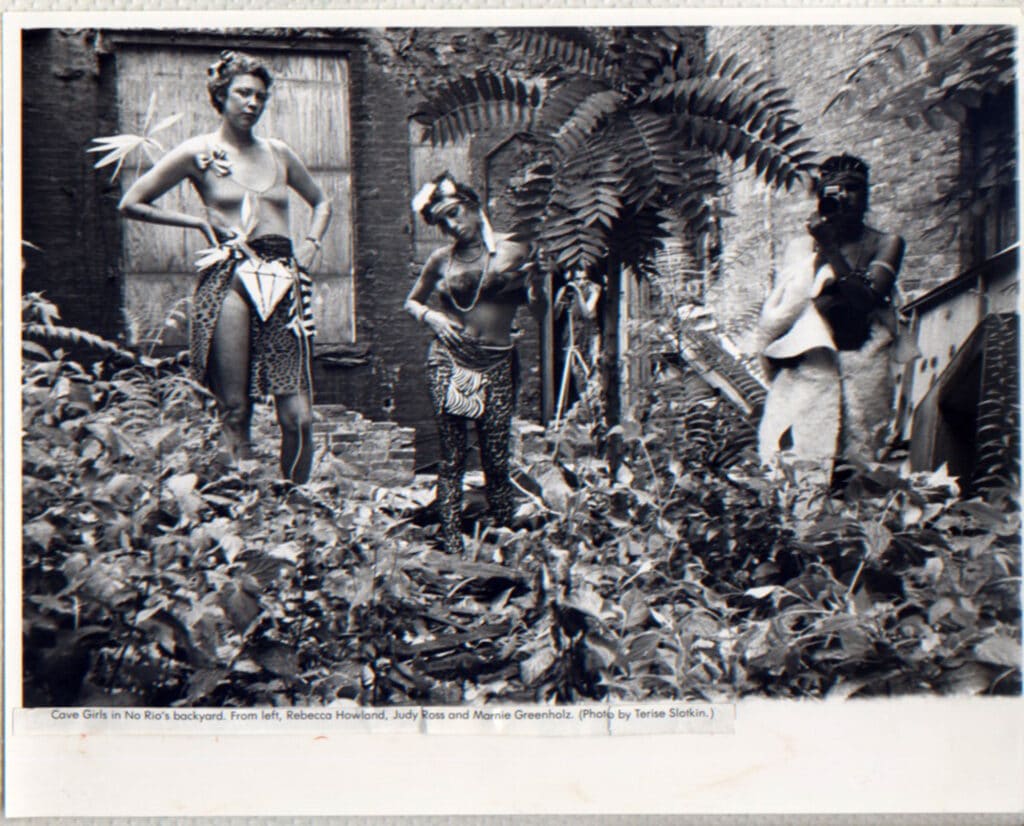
(155, 574)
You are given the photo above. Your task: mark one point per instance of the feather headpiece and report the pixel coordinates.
(435, 198)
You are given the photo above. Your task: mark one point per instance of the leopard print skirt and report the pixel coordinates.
(279, 348)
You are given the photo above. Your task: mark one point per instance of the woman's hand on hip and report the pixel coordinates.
(305, 254)
(445, 328)
(215, 233)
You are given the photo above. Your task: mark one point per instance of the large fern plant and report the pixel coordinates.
(620, 125)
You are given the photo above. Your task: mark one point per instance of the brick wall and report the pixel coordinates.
(69, 209)
(391, 384)
(810, 62)
(382, 452)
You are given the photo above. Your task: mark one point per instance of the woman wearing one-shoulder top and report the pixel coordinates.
(481, 278)
(251, 324)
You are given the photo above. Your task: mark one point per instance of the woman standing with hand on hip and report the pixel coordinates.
(251, 326)
(482, 278)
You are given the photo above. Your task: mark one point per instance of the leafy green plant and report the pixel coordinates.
(155, 573)
(930, 75)
(940, 77)
(119, 148)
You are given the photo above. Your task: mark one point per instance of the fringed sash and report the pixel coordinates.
(470, 362)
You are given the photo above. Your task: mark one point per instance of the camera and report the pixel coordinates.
(830, 201)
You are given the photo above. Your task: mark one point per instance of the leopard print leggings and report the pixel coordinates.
(493, 430)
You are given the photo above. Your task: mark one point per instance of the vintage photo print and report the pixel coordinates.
(427, 388)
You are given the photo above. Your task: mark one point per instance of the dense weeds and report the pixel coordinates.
(155, 573)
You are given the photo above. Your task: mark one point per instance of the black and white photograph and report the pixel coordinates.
(493, 367)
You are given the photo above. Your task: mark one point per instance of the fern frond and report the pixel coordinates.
(561, 98)
(658, 147)
(642, 53)
(731, 110)
(567, 51)
(640, 235)
(468, 105)
(73, 337)
(531, 197)
(930, 74)
(570, 235)
(584, 120)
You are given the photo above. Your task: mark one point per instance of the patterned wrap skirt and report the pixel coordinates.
(280, 347)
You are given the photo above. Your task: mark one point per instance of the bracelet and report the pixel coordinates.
(421, 313)
(315, 242)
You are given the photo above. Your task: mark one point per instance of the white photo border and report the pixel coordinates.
(900, 756)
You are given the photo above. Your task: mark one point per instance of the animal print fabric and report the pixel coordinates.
(493, 431)
(279, 359)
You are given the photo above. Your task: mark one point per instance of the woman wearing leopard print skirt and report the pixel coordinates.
(481, 278)
(251, 327)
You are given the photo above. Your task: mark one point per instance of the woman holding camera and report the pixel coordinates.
(251, 324)
(831, 327)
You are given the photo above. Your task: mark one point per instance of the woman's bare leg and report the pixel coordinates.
(295, 416)
(228, 372)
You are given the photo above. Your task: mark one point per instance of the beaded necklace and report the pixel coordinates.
(479, 284)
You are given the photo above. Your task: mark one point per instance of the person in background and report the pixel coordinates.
(830, 325)
(251, 324)
(481, 278)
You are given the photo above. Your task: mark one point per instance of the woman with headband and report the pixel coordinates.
(832, 326)
(251, 325)
(482, 278)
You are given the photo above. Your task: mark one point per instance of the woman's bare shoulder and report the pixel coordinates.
(512, 249)
(282, 149)
(183, 158)
(436, 260)
(196, 144)
(193, 147)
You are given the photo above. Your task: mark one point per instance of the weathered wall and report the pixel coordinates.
(391, 385)
(810, 62)
(69, 210)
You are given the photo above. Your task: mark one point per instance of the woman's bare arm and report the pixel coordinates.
(445, 328)
(885, 266)
(313, 194)
(168, 172)
(416, 300)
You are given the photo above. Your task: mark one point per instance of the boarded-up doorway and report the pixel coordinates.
(308, 110)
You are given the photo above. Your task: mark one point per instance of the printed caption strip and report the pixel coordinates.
(531, 720)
